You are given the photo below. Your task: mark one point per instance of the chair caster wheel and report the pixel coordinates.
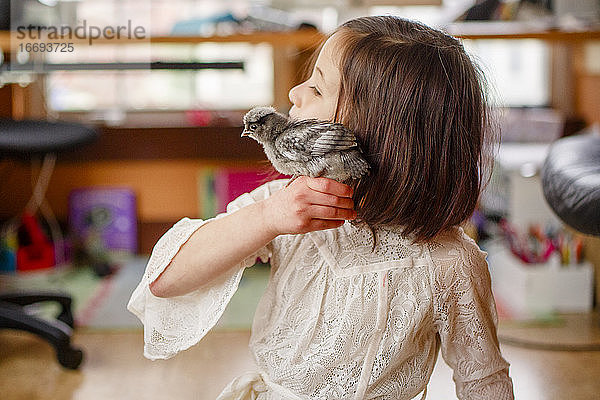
(70, 358)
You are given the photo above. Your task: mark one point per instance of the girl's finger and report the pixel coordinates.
(324, 212)
(325, 199)
(326, 185)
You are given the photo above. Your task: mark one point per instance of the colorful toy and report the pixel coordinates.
(36, 251)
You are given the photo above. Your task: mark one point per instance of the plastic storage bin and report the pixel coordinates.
(530, 290)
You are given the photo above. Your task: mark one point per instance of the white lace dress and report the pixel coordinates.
(338, 321)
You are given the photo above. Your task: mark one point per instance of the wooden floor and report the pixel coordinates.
(114, 368)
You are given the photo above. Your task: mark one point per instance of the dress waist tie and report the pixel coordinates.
(250, 385)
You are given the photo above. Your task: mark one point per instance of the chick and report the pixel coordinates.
(306, 147)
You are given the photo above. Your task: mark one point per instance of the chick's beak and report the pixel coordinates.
(246, 133)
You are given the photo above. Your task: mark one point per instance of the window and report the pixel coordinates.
(166, 90)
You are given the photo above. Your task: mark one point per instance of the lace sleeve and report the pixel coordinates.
(177, 323)
(466, 320)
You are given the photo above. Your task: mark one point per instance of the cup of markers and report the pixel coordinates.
(540, 242)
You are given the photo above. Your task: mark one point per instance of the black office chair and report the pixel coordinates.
(24, 139)
(571, 181)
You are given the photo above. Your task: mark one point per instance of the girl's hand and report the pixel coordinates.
(308, 204)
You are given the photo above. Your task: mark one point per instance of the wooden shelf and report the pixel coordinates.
(517, 30)
(550, 36)
(301, 38)
(310, 38)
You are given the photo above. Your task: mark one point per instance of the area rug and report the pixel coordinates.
(101, 303)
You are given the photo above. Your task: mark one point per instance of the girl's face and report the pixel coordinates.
(317, 97)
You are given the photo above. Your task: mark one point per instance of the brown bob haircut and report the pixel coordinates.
(417, 105)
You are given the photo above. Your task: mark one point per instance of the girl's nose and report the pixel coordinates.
(294, 96)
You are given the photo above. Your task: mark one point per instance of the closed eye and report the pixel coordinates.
(314, 88)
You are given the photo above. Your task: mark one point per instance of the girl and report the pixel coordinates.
(368, 281)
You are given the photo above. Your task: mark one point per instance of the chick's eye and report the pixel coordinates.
(253, 126)
(314, 88)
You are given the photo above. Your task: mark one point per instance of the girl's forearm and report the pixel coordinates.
(306, 205)
(213, 249)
